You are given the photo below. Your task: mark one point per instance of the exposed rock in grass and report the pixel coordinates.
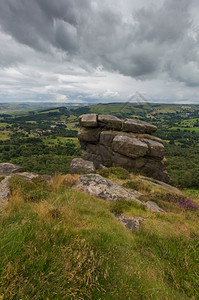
(4, 191)
(161, 184)
(8, 168)
(27, 175)
(132, 223)
(96, 185)
(152, 206)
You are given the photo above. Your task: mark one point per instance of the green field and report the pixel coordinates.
(3, 124)
(4, 135)
(196, 129)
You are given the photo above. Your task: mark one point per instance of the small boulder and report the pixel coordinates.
(138, 126)
(88, 120)
(129, 146)
(96, 185)
(110, 122)
(132, 223)
(7, 168)
(152, 206)
(81, 166)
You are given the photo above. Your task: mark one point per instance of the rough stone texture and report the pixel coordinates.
(155, 149)
(138, 126)
(132, 223)
(106, 138)
(96, 185)
(129, 145)
(27, 176)
(7, 168)
(152, 206)
(88, 120)
(81, 166)
(156, 169)
(110, 122)
(89, 134)
(4, 191)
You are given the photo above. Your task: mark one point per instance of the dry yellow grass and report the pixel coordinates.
(59, 181)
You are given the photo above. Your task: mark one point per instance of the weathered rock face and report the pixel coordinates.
(4, 191)
(132, 223)
(109, 141)
(81, 166)
(96, 185)
(7, 168)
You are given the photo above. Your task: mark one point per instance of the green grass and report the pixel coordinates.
(190, 121)
(70, 246)
(49, 141)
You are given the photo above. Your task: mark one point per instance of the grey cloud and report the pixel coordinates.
(98, 34)
(166, 24)
(143, 42)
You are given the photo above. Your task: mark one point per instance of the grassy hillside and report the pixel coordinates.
(57, 243)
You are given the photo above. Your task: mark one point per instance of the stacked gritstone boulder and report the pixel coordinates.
(111, 142)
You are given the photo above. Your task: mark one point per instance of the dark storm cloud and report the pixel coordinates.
(97, 34)
(166, 24)
(139, 39)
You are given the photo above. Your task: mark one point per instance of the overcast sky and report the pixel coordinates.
(99, 50)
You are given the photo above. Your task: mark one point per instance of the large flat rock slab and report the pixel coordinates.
(110, 122)
(138, 126)
(96, 185)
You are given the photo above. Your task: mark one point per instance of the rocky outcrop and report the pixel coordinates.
(109, 141)
(81, 166)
